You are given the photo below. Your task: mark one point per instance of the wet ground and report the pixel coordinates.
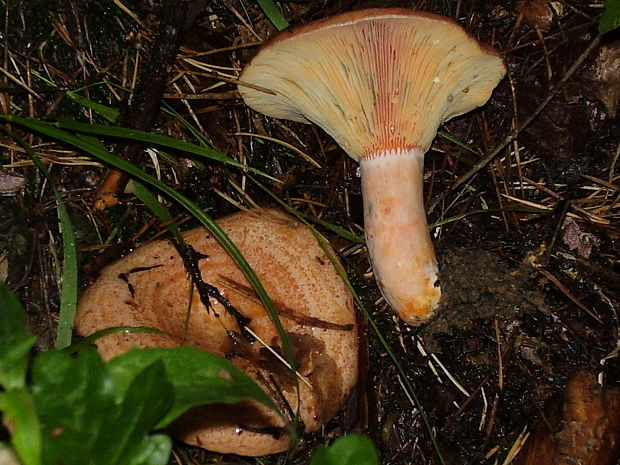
(529, 259)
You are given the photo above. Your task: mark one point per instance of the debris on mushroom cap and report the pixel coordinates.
(373, 79)
(380, 82)
(150, 287)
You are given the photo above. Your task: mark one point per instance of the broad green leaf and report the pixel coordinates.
(348, 450)
(86, 420)
(15, 340)
(198, 378)
(74, 399)
(145, 401)
(19, 414)
(610, 19)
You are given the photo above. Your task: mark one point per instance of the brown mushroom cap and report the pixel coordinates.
(150, 287)
(380, 82)
(373, 79)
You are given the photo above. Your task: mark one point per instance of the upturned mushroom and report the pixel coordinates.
(151, 287)
(380, 82)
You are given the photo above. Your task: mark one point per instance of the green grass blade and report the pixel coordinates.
(88, 341)
(458, 142)
(345, 234)
(194, 131)
(69, 283)
(69, 276)
(143, 136)
(106, 112)
(274, 14)
(159, 209)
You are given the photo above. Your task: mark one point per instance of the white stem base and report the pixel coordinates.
(397, 235)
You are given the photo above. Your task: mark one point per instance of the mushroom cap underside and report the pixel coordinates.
(150, 287)
(373, 79)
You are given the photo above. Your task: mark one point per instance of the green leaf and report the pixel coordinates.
(87, 419)
(193, 130)
(199, 378)
(143, 404)
(51, 129)
(19, 414)
(348, 450)
(15, 340)
(274, 14)
(610, 19)
(74, 398)
(458, 142)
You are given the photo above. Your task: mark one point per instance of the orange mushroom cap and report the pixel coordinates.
(150, 287)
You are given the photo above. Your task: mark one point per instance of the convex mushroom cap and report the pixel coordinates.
(150, 287)
(380, 82)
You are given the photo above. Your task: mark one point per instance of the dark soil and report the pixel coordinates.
(530, 265)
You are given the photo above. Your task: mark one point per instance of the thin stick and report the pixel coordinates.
(568, 294)
(20, 83)
(500, 364)
(458, 385)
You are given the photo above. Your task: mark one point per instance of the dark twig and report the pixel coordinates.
(205, 290)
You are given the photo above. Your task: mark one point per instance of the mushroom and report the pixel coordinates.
(380, 82)
(150, 287)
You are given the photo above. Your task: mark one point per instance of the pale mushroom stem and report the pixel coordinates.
(397, 233)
